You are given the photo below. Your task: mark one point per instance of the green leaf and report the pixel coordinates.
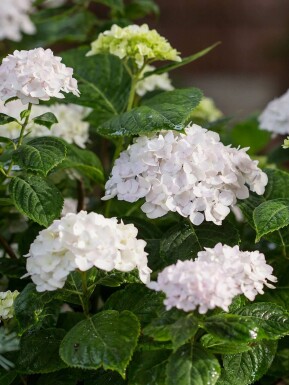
(184, 61)
(272, 319)
(148, 368)
(36, 198)
(103, 81)
(61, 377)
(248, 134)
(7, 140)
(40, 154)
(271, 216)
(7, 377)
(4, 119)
(233, 328)
(146, 304)
(107, 339)
(47, 119)
(173, 326)
(33, 309)
(104, 378)
(39, 351)
(165, 111)
(84, 161)
(184, 240)
(191, 364)
(248, 367)
(138, 9)
(219, 346)
(114, 4)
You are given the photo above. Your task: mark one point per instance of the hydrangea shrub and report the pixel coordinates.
(143, 239)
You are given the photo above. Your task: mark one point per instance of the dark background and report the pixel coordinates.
(250, 67)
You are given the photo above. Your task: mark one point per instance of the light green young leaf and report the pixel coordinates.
(36, 198)
(40, 155)
(166, 111)
(192, 364)
(107, 339)
(47, 119)
(271, 216)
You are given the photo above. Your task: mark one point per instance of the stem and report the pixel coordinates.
(80, 195)
(85, 304)
(132, 92)
(24, 125)
(7, 248)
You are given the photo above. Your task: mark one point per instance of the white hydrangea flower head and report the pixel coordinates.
(153, 82)
(214, 279)
(206, 110)
(35, 75)
(7, 299)
(81, 241)
(275, 117)
(190, 173)
(71, 125)
(248, 268)
(15, 20)
(138, 43)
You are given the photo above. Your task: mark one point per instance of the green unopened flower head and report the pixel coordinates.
(207, 110)
(136, 42)
(286, 143)
(7, 299)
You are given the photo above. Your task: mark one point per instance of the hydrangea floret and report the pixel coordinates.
(275, 117)
(7, 299)
(135, 42)
(71, 125)
(214, 279)
(81, 241)
(35, 75)
(153, 82)
(15, 20)
(191, 173)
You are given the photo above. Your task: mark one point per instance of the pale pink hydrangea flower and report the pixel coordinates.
(15, 20)
(275, 117)
(35, 75)
(214, 279)
(191, 173)
(81, 241)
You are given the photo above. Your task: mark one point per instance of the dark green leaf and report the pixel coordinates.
(114, 4)
(137, 9)
(191, 364)
(248, 367)
(107, 339)
(86, 162)
(104, 378)
(165, 111)
(33, 309)
(47, 119)
(219, 346)
(148, 368)
(39, 351)
(61, 377)
(4, 119)
(146, 304)
(184, 61)
(272, 319)
(6, 140)
(7, 377)
(184, 240)
(271, 216)
(36, 198)
(173, 326)
(103, 82)
(233, 328)
(12, 268)
(40, 154)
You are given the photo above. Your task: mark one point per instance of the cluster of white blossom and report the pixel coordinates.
(7, 299)
(275, 117)
(14, 19)
(214, 279)
(35, 75)
(191, 173)
(70, 127)
(135, 42)
(81, 241)
(153, 82)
